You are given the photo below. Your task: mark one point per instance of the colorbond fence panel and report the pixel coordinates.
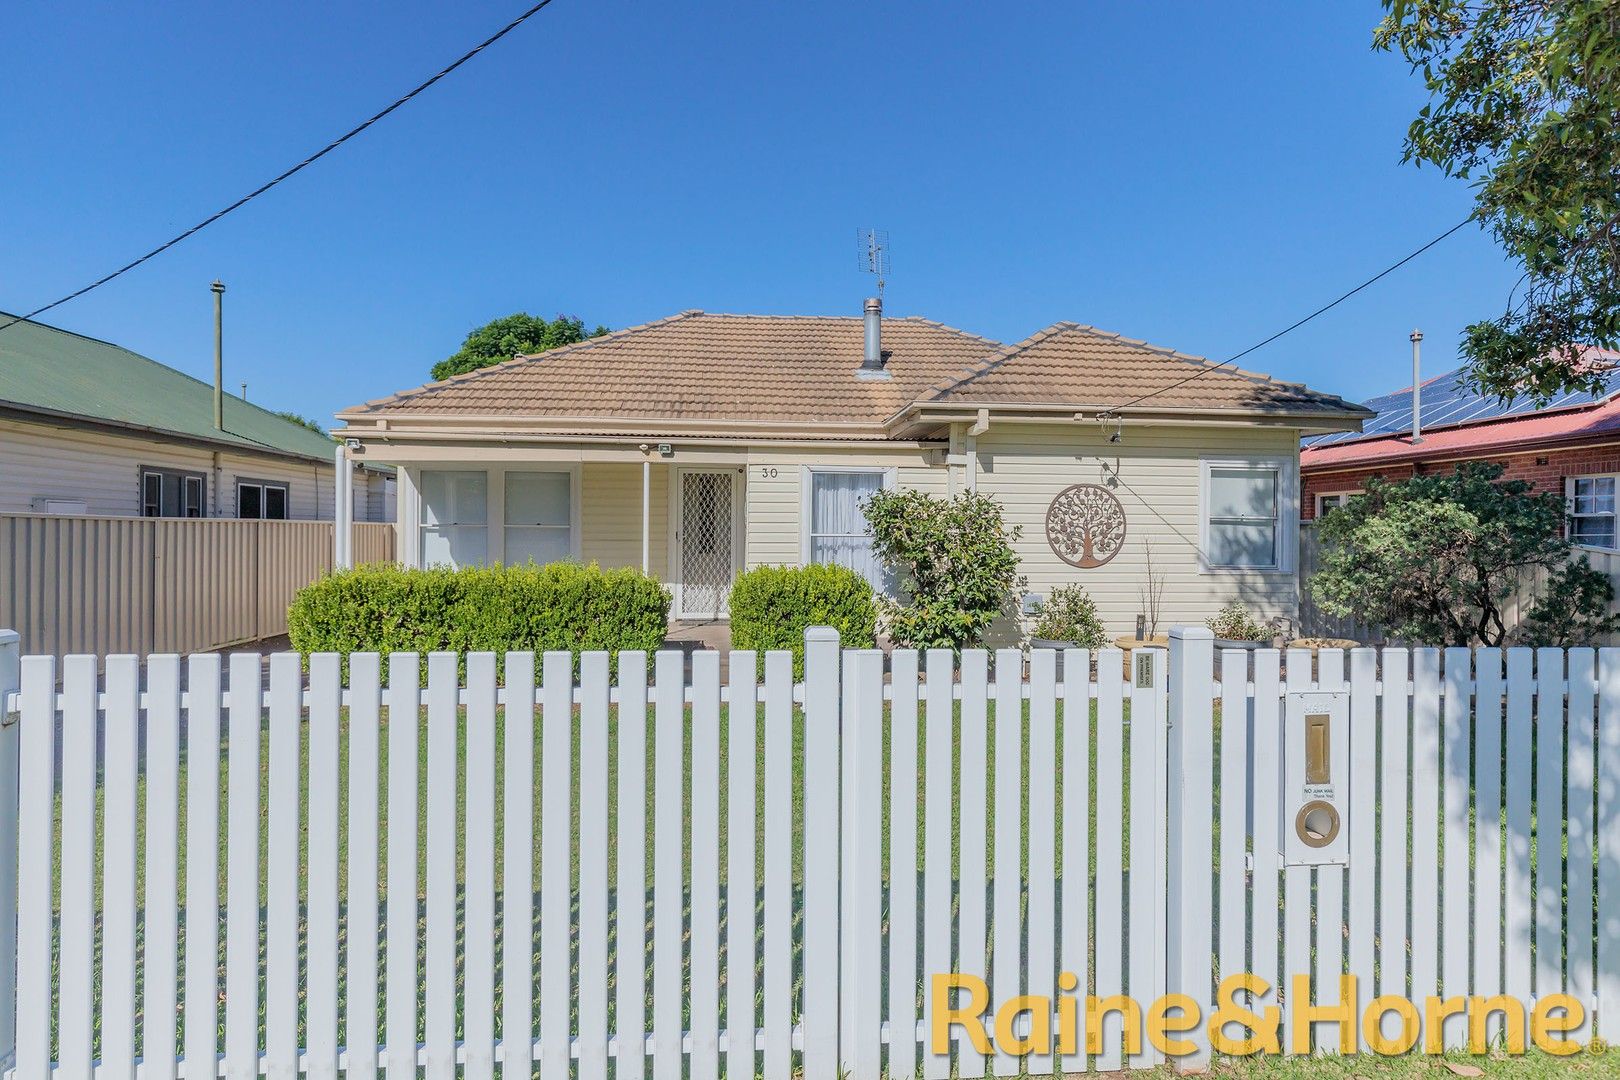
(109, 585)
(869, 828)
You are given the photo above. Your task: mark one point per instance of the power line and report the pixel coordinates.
(1385, 272)
(261, 189)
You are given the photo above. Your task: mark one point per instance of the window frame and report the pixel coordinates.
(1346, 495)
(1286, 469)
(264, 486)
(1570, 515)
(807, 473)
(188, 478)
(422, 525)
(497, 482)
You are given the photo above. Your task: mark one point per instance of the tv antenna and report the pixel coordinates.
(873, 248)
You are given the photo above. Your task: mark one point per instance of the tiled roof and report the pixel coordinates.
(697, 365)
(44, 369)
(1071, 364)
(801, 370)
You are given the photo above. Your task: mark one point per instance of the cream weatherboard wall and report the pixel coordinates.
(774, 491)
(1156, 473)
(610, 516)
(102, 470)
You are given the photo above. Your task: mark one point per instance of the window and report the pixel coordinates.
(1591, 510)
(1247, 505)
(835, 529)
(257, 499)
(1334, 500)
(171, 493)
(455, 508)
(539, 517)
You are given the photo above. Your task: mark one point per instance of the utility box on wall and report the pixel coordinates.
(1316, 778)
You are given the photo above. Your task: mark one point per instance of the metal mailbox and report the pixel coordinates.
(1316, 779)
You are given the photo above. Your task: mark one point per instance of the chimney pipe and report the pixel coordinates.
(1416, 338)
(218, 289)
(872, 363)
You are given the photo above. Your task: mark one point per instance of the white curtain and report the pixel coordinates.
(539, 517)
(455, 515)
(1242, 529)
(838, 530)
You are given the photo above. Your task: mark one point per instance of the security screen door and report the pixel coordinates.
(706, 541)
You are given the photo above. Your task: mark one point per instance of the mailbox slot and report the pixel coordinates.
(1315, 780)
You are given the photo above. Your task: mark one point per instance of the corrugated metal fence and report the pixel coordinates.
(1314, 622)
(156, 585)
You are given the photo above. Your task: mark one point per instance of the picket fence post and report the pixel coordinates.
(10, 682)
(1190, 839)
(822, 740)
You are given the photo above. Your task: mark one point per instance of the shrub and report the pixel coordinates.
(1437, 558)
(771, 606)
(1069, 614)
(1234, 623)
(954, 559)
(570, 606)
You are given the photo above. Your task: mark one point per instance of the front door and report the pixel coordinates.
(705, 542)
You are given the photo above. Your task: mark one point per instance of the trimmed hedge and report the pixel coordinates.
(571, 606)
(772, 606)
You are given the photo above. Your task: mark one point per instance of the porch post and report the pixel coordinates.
(10, 680)
(340, 462)
(646, 516)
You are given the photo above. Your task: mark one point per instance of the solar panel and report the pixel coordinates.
(1446, 400)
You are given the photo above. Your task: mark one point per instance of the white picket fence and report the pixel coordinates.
(543, 865)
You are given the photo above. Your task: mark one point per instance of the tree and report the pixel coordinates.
(953, 559)
(304, 421)
(502, 339)
(1525, 102)
(1435, 558)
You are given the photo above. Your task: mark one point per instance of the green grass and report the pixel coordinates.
(1533, 1065)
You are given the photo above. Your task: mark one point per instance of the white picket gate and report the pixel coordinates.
(541, 865)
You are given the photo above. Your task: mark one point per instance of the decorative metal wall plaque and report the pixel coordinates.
(1085, 525)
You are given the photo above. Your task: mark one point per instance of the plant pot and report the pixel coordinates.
(1057, 647)
(1236, 643)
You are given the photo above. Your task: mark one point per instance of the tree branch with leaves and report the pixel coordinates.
(1525, 104)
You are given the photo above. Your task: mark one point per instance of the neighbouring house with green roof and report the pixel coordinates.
(89, 427)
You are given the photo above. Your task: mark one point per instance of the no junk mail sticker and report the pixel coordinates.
(1085, 525)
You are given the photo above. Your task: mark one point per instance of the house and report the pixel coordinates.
(89, 427)
(704, 444)
(1570, 445)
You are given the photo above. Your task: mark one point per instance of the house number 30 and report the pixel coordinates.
(767, 472)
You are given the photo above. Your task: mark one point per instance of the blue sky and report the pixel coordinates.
(1195, 174)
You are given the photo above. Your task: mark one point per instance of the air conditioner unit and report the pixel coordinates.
(44, 505)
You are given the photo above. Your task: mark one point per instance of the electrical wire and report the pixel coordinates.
(1324, 309)
(308, 161)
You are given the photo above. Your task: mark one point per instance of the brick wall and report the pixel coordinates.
(1546, 470)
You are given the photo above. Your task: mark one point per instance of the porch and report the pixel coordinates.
(682, 524)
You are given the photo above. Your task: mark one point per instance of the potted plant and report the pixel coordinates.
(1235, 628)
(1068, 619)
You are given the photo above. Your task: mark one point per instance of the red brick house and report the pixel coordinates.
(1571, 445)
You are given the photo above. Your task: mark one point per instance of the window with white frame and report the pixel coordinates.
(836, 531)
(258, 499)
(539, 517)
(1333, 500)
(1590, 501)
(1245, 509)
(455, 518)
